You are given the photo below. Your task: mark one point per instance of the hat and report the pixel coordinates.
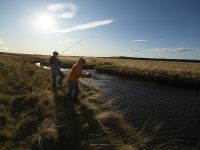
(55, 53)
(81, 60)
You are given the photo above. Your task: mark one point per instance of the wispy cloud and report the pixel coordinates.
(85, 26)
(139, 40)
(134, 50)
(63, 10)
(184, 49)
(3, 46)
(161, 50)
(165, 50)
(2, 41)
(56, 7)
(181, 49)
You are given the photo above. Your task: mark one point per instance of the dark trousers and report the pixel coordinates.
(54, 75)
(73, 89)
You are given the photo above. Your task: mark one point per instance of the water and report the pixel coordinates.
(166, 112)
(171, 114)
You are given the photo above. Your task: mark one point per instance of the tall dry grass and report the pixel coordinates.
(168, 72)
(32, 117)
(27, 114)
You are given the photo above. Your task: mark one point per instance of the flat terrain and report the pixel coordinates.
(173, 72)
(32, 117)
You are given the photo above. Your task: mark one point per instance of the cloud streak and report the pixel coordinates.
(164, 50)
(85, 26)
(63, 10)
(3, 46)
(2, 41)
(181, 49)
(139, 40)
(56, 7)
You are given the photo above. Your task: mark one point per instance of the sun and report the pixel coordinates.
(44, 22)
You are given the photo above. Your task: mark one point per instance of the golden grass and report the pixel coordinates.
(32, 117)
(160, 71)
(114, 131)
(167, 72)
(25, 104)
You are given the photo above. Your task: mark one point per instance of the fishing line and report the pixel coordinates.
(77, 42)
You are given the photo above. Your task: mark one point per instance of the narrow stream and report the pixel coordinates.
(170, 114)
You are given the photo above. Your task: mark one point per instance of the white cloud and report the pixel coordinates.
(184, 49)
(63, 10)
(139, 40)
(164, 50)
(134, 50)
(2, 41)
(85, 26)
(3, 48)
(56, 7)
(180, 49)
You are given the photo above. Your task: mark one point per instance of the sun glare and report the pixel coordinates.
(44, 22)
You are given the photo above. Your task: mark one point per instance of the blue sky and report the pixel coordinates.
(136, 28)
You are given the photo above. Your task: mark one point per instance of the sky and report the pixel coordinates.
(133, 28)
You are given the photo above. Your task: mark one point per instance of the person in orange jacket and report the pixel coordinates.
(72, 79)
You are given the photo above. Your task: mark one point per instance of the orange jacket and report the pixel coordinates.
(75, 73)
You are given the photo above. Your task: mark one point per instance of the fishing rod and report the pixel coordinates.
(76, 43)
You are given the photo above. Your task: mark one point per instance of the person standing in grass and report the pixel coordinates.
(72, 79)
(55, 70)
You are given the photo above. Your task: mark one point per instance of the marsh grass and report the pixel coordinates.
(32, 117)
(167, 72)
(92, 123)
(173, 72)
(109, 128)
(25, 102)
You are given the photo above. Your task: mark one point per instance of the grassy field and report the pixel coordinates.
(32, 117)
(166, 72)
(27, 110)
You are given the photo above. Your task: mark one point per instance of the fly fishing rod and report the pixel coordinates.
(76, 43)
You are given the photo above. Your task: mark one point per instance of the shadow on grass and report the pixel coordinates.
(78, 129)
(68, 124)
(96, 137)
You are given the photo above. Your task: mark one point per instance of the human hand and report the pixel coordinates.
(88, 75)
